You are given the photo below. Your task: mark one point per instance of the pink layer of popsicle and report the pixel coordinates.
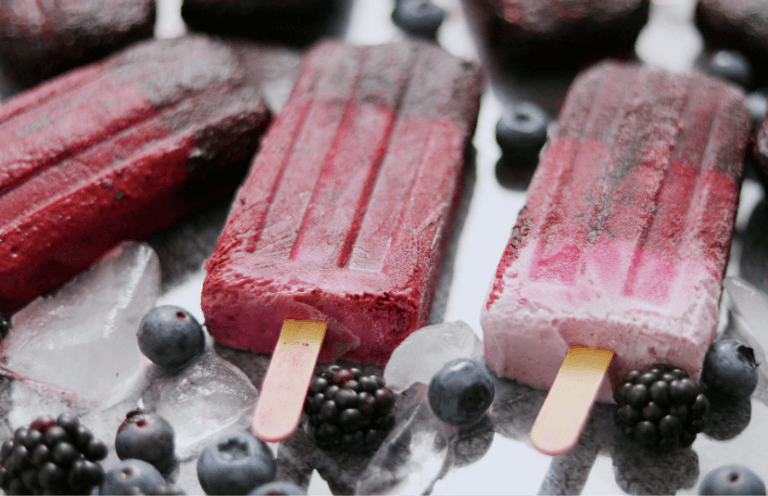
(347, 208)
(626, 232)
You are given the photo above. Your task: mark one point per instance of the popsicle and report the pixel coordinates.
(625, 235)
(346, 210)
(556, 33)
(39, 40)
(736, 24)
(117, 150)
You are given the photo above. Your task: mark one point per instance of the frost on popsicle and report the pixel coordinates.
(446, 341)
(83, 338)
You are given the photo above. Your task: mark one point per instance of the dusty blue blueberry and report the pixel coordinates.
(461, 392)
(235, 464)
(730, 369)
(522, 131)
(731, 66)
(146, 436)
(731, 479)
(170, 336)
(129, 475)
(420, 18)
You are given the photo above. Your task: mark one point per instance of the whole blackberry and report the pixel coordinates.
(52, 457)
(349, 410)
(660, 407)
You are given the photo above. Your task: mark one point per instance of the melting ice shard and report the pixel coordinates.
(446, 341)
(83, 338)
(206, 399)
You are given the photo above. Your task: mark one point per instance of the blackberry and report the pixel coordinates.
(661, 407)
(349, 410)
(52, 456)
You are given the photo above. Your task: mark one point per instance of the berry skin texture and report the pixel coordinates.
(128, 476)
(522, 131)
(661, 407)
(731, 66)
(349, 410)
(146, 436)
(278, 487)
(235, 464)
(48, 457)
(170, 336)
(461, 392)
(731, 479)
(420, 18)
(730, 369)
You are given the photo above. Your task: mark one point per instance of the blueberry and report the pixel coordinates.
(522, 131)
(278, 487)
(170, 336)
(419, 18)
(128, 475)
(731, 66)
(461, 391)
(235, 464)
(146, 436)
(730, 369)
(757, 101)
(731, 479)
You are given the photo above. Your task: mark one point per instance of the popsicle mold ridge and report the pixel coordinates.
(625, 235)
(347, 207)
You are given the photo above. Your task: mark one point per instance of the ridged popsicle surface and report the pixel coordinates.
(347, 207)
(117, 150)
(626, 231)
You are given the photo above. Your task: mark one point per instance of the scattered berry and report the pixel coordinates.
(235, 464)
(349, 410)
(757, 101)
(660, 407)
(730, 369)
(731, 479)
(731, 66)
(420, 18)
(132, 476)
(52, 456)
(146, 436)
(522, 131)
(461, 392)
(278, 487)
(170, 336)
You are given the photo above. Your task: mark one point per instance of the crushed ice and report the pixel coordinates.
(748, 308)
(446, 341)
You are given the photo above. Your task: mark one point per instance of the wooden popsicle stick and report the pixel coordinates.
(281, 399)
(566, 408)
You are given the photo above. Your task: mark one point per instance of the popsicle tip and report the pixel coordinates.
(281, 399)
(566, 408)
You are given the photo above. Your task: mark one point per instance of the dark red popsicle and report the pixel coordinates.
(117, 150)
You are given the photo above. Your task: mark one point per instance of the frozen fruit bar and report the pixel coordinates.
(626, 230)
(555, 33)
(42, 39)
(117, 150)
(292, 21)
(347, 207)
(736, 24)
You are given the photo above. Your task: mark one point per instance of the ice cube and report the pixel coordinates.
(415, 455)
(409, 363)
(749, 306)
(203, 401)
(83, 338)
